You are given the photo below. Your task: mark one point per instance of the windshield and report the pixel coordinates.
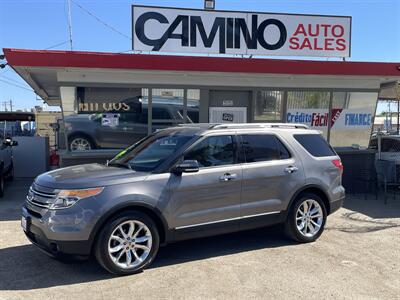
(151, 152)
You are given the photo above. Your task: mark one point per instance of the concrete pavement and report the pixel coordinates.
(357, 257)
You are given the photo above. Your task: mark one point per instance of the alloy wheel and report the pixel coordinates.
(80, 144)
(130, 244)
(309, 218)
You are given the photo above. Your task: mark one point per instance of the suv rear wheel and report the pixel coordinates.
(127, 243)
(306, 219)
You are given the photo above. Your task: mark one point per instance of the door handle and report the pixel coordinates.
(228, 177)
(291, 169)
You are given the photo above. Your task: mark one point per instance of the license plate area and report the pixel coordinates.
(25, 223)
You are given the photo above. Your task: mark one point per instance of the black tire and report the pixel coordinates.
(291, 229)
(101, 246)
(1, 185)
(74, 137)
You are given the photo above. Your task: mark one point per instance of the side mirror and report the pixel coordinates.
(187, 166)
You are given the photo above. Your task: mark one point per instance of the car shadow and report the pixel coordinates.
(374, 208)
(27, 268)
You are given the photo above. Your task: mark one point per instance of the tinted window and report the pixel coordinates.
(262, 147)
(283, 152)
(390, 145)
(152, 151)
(315, 144)
(213, 151)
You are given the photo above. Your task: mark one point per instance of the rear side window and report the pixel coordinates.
(315, 144)
(262, 147)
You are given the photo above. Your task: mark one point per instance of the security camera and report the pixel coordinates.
(2, 56)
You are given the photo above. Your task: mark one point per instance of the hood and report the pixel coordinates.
(86, 176)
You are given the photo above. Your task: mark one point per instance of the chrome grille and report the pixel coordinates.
(39, 198)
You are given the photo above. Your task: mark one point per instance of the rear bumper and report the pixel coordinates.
(335, 205)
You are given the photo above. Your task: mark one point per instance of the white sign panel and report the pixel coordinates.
(110, 120)
(227, 32)
(228, 115)
(340, 119)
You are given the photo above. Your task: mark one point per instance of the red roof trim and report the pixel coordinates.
(77, 59)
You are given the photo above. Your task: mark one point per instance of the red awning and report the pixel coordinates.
(78, 59)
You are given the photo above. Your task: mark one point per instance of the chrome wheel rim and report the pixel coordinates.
(80, 144)
(130, 244)
(309, 218)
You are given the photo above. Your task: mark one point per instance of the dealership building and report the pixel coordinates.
(123, 97)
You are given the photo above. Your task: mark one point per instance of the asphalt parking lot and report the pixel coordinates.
(357, 257)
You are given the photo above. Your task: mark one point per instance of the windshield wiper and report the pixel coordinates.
(121, 165)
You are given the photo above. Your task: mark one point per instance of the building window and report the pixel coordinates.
(268, 106)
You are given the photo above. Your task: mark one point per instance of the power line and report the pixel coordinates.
(101, 21)
(13, 80)
(56, 45)
(16, 85)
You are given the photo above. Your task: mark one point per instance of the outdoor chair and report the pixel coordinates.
(367, 178)
(387, 177)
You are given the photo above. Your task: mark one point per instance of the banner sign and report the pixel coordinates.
(340, 119)
(228, 32)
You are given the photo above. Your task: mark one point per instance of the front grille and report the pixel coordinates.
(40, 198)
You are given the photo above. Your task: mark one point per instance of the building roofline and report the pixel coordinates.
(103, 60)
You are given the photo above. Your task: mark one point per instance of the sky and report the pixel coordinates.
(32, 24)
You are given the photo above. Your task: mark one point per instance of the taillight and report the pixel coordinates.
(338, 164)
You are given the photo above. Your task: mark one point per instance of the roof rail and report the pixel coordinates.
(259, 125)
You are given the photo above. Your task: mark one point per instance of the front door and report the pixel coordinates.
(210, 196)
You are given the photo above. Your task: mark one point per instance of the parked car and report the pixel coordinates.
(6, 161)
(390, 147)
(88, 131)
(186, 182)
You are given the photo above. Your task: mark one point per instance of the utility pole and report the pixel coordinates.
(11, 105)
(69, 23)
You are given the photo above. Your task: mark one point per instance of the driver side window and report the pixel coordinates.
(213, 151)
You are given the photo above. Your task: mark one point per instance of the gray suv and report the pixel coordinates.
(186, 182)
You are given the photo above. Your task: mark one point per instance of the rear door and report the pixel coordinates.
(270, 174)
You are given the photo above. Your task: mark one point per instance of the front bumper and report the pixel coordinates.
(42, 233)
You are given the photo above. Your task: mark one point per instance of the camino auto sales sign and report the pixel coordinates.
(226, 32)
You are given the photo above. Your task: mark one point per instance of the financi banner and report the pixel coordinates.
(163, 29)
(340, 118)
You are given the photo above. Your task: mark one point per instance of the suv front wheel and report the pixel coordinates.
(127, 243)
(306, 219)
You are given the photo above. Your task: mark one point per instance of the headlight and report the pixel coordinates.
(67, 198)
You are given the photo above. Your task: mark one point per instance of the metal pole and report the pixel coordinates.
(398, 107)
(69, 23)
